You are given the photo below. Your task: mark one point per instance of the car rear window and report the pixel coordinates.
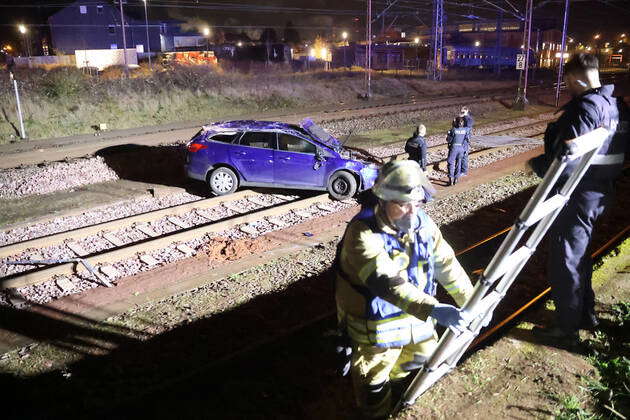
(294, 144)
(224, 138)
(265, 140)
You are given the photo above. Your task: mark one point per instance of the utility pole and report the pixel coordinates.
(438, 32)
(562, 50)
(368, 49)
(497, 48)
(122, 24)
(521, 98)
(146, 25)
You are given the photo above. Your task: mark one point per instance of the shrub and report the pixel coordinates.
(63, 82)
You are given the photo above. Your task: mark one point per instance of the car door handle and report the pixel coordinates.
(285, 158)
(240, 153)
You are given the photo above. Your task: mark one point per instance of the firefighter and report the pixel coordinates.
(416, 146)
(469, 122)
(569, 265)
(456, 139)
(389, 262)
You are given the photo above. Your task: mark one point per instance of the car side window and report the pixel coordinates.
(225, 138)
(291, 143)
(265, 140)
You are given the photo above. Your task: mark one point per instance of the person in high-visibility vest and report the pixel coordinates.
(388, 265)
(569, 266)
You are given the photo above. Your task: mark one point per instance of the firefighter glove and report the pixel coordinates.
(451, 317)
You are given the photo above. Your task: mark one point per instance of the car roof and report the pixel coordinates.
(240, 125)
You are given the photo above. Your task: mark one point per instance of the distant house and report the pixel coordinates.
(87, 25)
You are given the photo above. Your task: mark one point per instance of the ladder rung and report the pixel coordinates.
(580, 146)
(546, 208)
(485, 303)
(509, 262)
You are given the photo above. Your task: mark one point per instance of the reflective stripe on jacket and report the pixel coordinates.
(372, 252)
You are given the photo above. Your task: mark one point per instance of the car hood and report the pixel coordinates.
(320, 134)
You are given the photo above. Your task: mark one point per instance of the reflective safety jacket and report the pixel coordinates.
(385, 282)
(458, 136)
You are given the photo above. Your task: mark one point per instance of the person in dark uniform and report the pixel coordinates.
(569, 264)
(456, 139)
(468, 123)
(416, 146)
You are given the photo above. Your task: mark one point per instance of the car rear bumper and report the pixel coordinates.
(194, 172)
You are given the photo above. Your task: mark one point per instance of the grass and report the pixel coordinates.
(485, 113)
(64, 101)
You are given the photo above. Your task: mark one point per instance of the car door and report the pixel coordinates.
(296, 162)
(253, 155)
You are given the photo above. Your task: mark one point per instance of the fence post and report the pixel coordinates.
(19, 108)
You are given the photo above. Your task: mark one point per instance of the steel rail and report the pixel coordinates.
(117, 224)
(38, 276)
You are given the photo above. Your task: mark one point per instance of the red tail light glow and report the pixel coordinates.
(195, 147)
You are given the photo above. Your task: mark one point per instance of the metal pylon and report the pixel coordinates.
(435, 71)
(539, 213)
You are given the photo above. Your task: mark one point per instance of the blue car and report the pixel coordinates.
(228, 155)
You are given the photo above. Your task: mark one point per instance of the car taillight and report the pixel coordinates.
(195, 147)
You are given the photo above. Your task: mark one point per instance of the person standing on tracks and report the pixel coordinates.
(469, 122)
(456, 139)
(416, 146)
(388, 265)
(569, 266)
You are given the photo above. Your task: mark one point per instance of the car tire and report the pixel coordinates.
(342, 185)
(223, 181)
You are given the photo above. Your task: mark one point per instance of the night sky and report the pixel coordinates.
(587, 17)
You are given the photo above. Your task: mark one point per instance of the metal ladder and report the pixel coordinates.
(506, 264)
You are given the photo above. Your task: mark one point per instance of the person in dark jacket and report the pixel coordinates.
(469, 122)
(456, 139)
(569, 264)
(416, 146)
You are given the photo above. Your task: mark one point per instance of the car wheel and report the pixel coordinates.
(223, 181)
(342, 185)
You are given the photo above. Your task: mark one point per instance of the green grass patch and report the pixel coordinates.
(490, 113)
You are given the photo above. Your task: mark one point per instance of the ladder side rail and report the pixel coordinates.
(550, 205)
(544, 188)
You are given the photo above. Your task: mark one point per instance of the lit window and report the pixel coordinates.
(83, 10)
(99, 10)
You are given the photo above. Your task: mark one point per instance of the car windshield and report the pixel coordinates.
(322, 135)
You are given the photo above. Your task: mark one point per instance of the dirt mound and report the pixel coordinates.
(224, 249)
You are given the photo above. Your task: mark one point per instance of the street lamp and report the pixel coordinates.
(344, 36)
(146, 25)
(22, 29)
(206, 33)
(477, 43)
(596, 36)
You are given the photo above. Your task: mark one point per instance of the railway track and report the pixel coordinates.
(92, 252)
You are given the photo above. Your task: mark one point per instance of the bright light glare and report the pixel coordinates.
(312, 52)
(239, 44)
(596, 36)
(477, 43)
(416, 40)
(344, 35)
(22, 29)
(206, 31)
